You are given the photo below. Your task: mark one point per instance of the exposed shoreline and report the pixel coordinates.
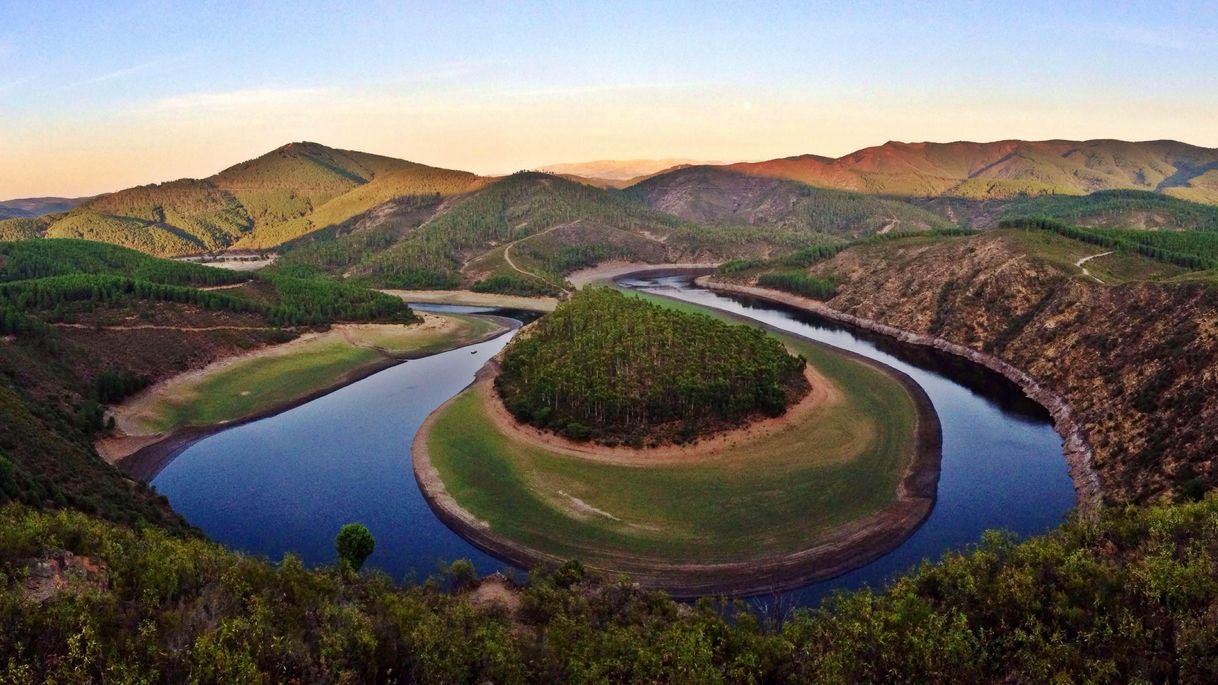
(153, 452)
(1076, 449)
(470, 298)
(847, 548)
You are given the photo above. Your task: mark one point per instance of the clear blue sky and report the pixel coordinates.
(96, 96)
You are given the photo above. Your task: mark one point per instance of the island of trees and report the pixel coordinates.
(617, 369)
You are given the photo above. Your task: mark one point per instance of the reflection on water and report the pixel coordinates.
(1002, 461)
(288, 482)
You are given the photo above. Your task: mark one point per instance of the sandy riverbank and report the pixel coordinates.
(473, 299)
(607, 271)
(142, 451)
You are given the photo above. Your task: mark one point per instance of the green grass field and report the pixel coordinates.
(776, 493)
(284, 374)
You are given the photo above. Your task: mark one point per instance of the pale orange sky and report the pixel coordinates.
(495, 87)
(199, 136)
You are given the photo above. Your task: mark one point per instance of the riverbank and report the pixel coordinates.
(607, 271)
(169, 416)
(610, 529)
(472, 299)
(1076, 449)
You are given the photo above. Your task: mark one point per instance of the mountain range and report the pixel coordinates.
(37, 206)
(348, 207)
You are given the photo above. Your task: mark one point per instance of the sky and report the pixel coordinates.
(98, 96)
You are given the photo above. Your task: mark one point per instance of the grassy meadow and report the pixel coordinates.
(278, 376)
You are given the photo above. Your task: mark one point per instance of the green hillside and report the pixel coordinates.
(282, 195)
(1119, 209)
(716, 195)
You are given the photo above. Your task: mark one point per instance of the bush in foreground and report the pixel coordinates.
(1132, 597)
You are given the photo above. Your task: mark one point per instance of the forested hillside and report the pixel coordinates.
(285, 194)
(613, 367)
(1119, 209)
(717, 195)
(85, 324)
(523, 234)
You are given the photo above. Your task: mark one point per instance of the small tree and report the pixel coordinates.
(354, 543)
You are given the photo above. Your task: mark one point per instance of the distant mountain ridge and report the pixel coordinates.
(306, 191)
(29, 207)
(619, 170)
(1007, 168)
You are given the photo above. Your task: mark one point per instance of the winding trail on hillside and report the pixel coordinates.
(1084, 260)
(507, 255)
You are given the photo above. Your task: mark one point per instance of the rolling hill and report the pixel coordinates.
(1007, 168)
(718, 195)
(282, 195)
(522, 234)
(37, 206)
(617, 171)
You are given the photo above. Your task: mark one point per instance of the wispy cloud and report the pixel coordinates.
(236, 100)
(134, 69)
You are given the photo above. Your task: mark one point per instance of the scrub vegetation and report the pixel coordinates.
(1129, 597)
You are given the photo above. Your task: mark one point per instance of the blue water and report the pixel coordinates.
(1002, 464)
(288, 482)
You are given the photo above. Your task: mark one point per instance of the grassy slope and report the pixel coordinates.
(279, 376)
(776, 499)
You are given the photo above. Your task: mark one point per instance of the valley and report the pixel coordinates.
(1065, 338)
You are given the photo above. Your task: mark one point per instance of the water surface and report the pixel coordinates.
(288, 482)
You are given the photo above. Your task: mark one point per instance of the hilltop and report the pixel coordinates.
(37, 206)
(285, 194)
(1007, 168)
(718, 195)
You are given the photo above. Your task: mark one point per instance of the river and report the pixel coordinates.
(288, 482)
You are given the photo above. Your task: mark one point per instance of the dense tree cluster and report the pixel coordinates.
(1129, 597)
(29, 259)
(1196, 251)
(610, 366)
(49, 276)
(1115, 208)
(513, 284)
(800, 283)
